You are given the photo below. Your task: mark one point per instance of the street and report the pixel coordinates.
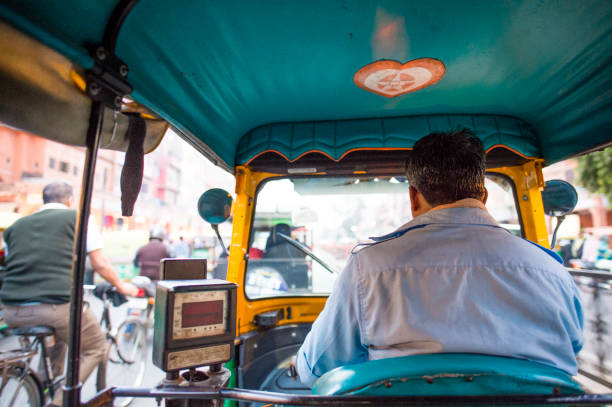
(153, 375)
(596, 355)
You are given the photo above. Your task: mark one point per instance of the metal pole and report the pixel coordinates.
(209, 393)
(72, 387)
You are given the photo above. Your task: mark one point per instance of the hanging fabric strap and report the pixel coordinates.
(133, 167)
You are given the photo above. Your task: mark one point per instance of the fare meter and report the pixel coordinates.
(195, 323)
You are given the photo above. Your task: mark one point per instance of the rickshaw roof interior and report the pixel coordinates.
(255, 82)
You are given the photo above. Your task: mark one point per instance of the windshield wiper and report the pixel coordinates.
(303, 248)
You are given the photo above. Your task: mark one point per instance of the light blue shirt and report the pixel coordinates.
(453, 282)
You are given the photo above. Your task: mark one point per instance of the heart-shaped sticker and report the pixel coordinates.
(390, 78)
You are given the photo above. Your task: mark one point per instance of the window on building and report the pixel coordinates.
(105, 179)
(75, 170)
(145, 188)
(63, 166)
(8, 160)
(51, 163)
(35, 164)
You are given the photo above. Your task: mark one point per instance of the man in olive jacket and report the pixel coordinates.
(36, 286)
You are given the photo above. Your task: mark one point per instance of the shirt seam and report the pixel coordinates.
(454, 268)
(361, 311)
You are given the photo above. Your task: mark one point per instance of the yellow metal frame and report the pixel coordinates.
(303, 309)
(528, 182)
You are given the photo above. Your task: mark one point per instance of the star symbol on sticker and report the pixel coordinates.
(391, 78)
(396, 82)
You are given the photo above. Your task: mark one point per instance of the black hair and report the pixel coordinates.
(447, 167)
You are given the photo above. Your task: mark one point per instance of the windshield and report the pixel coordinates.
(304, 228)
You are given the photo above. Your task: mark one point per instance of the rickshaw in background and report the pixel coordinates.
(314, 107)
(279, 257)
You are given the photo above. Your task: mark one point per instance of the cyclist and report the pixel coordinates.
(36, 287)
(148, 256)
(451, 280)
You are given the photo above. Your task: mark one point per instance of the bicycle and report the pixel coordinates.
(142, 305)
(124, 362)
(22, 385)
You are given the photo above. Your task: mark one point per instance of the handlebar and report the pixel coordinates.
(146, 288)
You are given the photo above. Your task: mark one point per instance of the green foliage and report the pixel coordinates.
(595, 172)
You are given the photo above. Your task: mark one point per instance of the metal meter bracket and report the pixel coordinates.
(107, 79)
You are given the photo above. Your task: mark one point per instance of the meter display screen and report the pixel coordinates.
(199, 314)
(202, 313)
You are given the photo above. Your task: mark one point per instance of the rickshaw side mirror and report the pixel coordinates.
(214, 206)
(559, 198)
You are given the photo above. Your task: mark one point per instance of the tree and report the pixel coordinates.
(595, 172)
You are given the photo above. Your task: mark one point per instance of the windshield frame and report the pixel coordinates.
(310, 176)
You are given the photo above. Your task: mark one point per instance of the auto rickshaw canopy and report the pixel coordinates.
(242, 78)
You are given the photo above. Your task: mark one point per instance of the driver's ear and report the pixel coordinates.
(486, 196)
(414, 201)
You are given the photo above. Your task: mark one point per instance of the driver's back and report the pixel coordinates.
(453, 282)
(463, 285)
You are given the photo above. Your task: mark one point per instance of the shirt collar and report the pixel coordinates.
(465, 211)
(53, 205)
(462, 203)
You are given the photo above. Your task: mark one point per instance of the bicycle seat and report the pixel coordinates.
(34, 331)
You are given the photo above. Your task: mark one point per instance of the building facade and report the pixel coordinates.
(174, 177)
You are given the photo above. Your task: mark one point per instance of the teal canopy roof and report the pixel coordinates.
(231, 73)
(335, 139)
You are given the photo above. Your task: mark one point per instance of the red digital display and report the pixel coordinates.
(202, 313)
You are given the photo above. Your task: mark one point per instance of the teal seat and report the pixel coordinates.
(446, 374)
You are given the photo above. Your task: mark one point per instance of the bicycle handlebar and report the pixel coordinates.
(142, 291)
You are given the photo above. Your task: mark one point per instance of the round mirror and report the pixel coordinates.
(214, 206)
(559, 197)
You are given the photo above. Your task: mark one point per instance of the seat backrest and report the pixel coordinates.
(446, 374)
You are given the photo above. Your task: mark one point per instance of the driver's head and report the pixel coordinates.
(443, 168)
(57, 192)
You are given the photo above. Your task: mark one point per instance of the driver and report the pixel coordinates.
(450, 280)
(277, 247)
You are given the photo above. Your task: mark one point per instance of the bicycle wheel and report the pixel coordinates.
(131, 341)
(126, 359)
(20, 391)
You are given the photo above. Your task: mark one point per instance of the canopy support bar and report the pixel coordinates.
(120, 13)
(106, 85)
(72, 387)
(237, 394)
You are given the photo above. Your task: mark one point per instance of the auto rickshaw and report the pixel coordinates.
(322, 99)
